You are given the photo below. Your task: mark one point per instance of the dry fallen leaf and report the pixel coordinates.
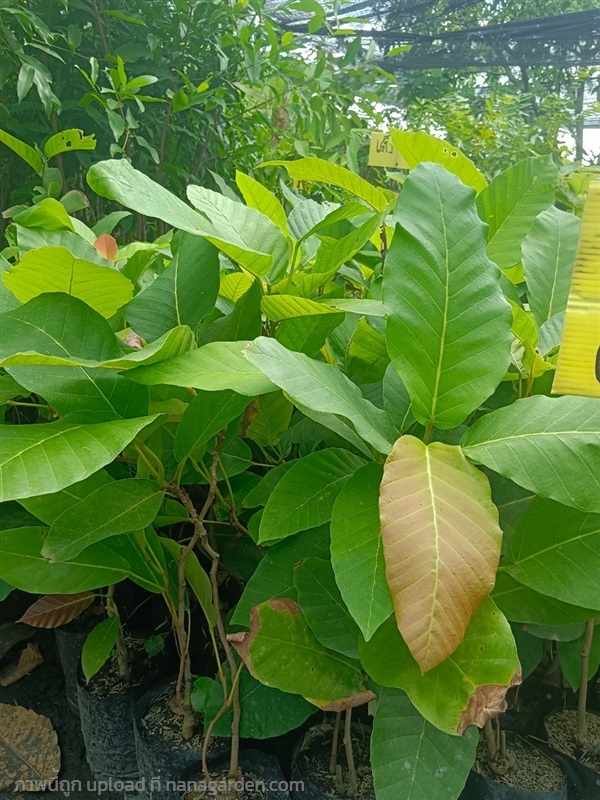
(54, 610)
(29, 749)
(27, 660)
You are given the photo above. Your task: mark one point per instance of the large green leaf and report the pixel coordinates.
(54, 269)
(441, 541)
(99, 645)
(357, 550)
(206, 415)
(367, 357)
(570, 659)
(511, 203)
(548, 445)
(27, 153)
(396, 400)
(117, 507)
(245, 235)
(118, 180)
(48, 507)
(412, 759)
(281, 651)
(416, 147)
(266, 712)
(548, 253)
(48, 214)
(67, 141)
(41, 459)
(278, 307)
(519, 603)
(270, 415)
(448, 330)
(181, 295)
(304, 496)
(323, 388)
(307, 334)
(321, 171)
(213, 367)
(467, 688)
(323, 607)
(244, 322)
(274, 576)
(23, 566)
(556, 551)
(259, 197)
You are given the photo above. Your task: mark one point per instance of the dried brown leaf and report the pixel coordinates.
(26, 661)
(29, 748)
(54, 610)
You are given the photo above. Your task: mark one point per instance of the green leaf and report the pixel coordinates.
(54, 269)
(530, 650)
(323, 607)
(27, 153)
(118, 180)
(271, 414)
(181, 295)
(420, 146)
(465, 689)
(441, 541)
(322, 388)
(368, 308)
(548, 445)
(23, 566)
(450, 361)
(413, 760)
(307, 334)
(65, 141)
(556, 551)
(548, 254)
(281, 651)
(245, 235)
(511, 203)
(99, 645)
(48, 507)
(117, 507)
(519, 603)
(367, 356)
(274, 576)
(41, 459)
(357, 550)
(214, 367)
(570, 659)
(260, 198)
(321, 171)
(206, 415)
(266, 712)
(48, 214)
(278, 307)
(510, 499)
(304, 497)
(396, 400)
(241, 324)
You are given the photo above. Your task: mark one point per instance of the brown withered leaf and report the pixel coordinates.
(134, 340)
(29, 748)
(25, 662)
(486, 702)
(107, 246)
(54, 610)
(441, 542)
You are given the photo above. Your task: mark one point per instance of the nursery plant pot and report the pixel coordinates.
(256, 767)
(311, 779)
(582, 768)
(163, 757)
(524, 783)
(68, 645)
(108, 732)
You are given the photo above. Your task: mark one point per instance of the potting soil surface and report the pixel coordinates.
(562, 735)
(531, 769)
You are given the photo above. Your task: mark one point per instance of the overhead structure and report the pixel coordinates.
(564, 40)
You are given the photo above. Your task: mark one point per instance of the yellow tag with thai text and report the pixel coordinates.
(382, 152)
(578, 368)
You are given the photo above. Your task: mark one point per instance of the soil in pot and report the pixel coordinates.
(260, 778)
(312, 764)
(164, 756)
(528, 775)
(106, 712)
(561, 729)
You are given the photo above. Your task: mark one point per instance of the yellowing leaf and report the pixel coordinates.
(321, 171)
(441, 541)
(54, 269)
(420, 146)
(234, 285)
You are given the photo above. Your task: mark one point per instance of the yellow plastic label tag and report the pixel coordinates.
(578, 369)
(382, 152)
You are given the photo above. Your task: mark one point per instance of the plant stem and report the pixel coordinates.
(585, 661)
(427, 434)
(123, 664)
(334, 743)
(183, 689)
(228, 701)
(490, 739)
(352, 777)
